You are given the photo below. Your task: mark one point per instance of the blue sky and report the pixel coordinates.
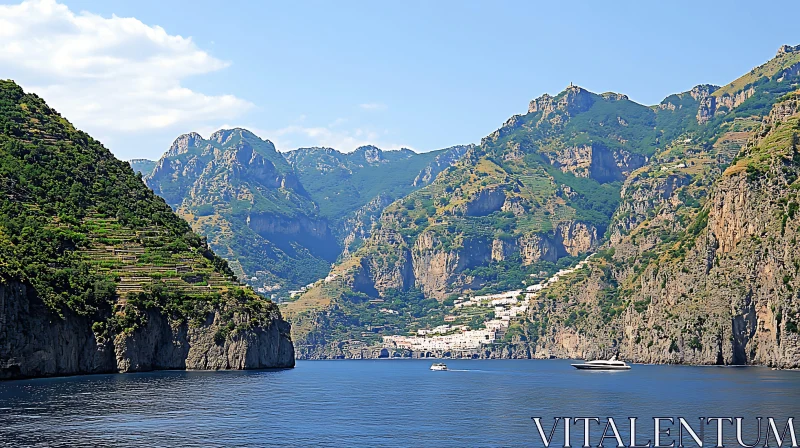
(423, 75)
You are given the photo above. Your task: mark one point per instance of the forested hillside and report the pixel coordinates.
(91, 258)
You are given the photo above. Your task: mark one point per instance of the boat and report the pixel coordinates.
(439, 366)
(600, 364)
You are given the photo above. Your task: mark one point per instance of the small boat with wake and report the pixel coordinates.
(600, 364)
(438, 366)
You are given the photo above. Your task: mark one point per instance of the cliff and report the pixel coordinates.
(723, 294)
(35, 342)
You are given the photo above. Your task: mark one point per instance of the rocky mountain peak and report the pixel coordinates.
(224, 136)
(702, 91)
(544, 103)
(787, 49)
(575, 99)
(572, 100)
(613, 96)
(182, 144)
(371, 154)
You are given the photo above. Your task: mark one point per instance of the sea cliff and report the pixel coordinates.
(35, 342)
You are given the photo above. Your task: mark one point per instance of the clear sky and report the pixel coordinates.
(419, 74)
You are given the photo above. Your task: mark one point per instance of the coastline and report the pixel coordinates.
(550, 358)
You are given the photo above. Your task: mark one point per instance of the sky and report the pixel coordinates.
(418, 74)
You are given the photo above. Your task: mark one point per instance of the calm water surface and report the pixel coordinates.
(380, 403)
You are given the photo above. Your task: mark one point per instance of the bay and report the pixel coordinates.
(382, 403)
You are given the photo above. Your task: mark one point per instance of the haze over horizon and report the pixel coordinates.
(423, 76)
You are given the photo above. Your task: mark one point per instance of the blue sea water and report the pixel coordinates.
(381, 403)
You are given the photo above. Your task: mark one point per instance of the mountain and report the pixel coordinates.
(237, 190)
(579, 173)
(352, 189)
(707, 275)
(143, 166)
(97, 274)
(282, 219)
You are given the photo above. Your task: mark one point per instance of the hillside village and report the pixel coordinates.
(463, 341)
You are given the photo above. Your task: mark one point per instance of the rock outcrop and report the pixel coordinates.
(484, 202)
(597, 162)
(437, 269)
(711, 105)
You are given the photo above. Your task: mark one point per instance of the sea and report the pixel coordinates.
(390, 403)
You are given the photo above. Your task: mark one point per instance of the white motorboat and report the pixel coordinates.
(600, 364)
(439, 366)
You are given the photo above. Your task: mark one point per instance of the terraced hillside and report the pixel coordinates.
(139, 258)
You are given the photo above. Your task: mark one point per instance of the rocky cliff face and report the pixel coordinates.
(36, 342)
(711, 105)
(438, 270)
(358, 227)
(483, 202)
(596, 161)
(723, 295)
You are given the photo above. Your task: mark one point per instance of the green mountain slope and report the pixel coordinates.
(541, 188)
(94, 267)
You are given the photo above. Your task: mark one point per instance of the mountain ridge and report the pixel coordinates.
(280, 228)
